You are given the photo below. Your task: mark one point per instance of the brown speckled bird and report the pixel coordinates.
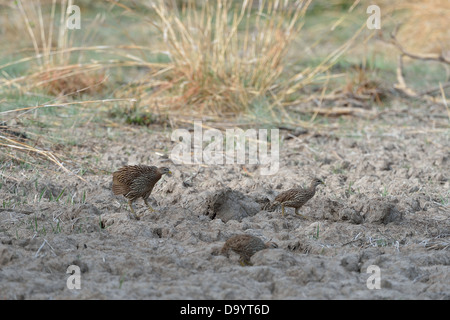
(246, 246)
(296, 197)
(137, 181)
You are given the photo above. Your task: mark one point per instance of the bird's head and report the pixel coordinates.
(164, 170)
(271, 245)
(316, 181)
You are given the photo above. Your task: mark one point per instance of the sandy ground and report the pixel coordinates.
(385, 203)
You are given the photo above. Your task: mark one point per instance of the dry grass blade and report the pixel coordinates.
(26, 109)
(444, 99)
(23, 147)
(308, 76)
(439, 57)
(440, 242)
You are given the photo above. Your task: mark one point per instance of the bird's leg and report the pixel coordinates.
(299, 214)
(282, 209)
(149, 206)
(245, 262)
(132, 210)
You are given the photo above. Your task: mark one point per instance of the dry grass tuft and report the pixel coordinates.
(223, 55)
(425, 25)
(69, 79)
(227, 60)
(53, 68)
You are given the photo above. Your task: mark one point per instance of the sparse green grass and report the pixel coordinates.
(121, 280)
(57, 228)
(349, 190)
(385, 192)
(39, 224)
(29, 220)
(338, 170)
(316, 235)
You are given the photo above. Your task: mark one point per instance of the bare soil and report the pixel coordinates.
(385, 203)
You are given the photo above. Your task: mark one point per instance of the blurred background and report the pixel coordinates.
(267, 63)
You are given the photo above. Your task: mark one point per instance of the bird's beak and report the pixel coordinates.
(169, 173)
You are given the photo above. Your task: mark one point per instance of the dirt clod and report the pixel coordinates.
(228, 204)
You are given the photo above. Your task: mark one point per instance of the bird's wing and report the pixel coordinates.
(144, 183)
(286, 195)
(236, 243)
(128, 174)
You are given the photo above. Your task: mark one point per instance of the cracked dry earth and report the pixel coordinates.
(385, 203)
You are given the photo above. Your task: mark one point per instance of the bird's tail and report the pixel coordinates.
(119, 189)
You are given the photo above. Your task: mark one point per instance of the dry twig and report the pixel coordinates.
(401, 83)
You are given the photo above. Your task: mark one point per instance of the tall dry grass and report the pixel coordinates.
(424, 24)
(56, 66)
(223, 55)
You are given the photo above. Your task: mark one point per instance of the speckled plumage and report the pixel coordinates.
(246, 246)
(137, 181)
(296, 197)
